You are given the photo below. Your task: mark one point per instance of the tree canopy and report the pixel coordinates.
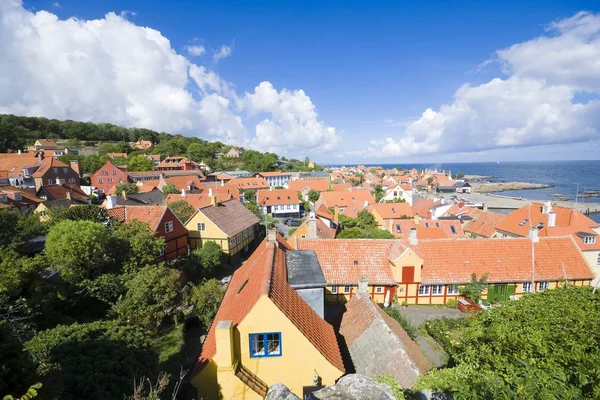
(139, 163)
(542, 346)
(182, 209)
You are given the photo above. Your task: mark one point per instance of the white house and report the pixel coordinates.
(279, 203)
(398, 192)
(277, 179)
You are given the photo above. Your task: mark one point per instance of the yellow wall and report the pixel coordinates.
(342, 297)
(214, 234)
(41, 208)
(294, 368)
(591, 258)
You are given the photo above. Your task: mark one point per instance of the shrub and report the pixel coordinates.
(397, 390)
(409, 328)
(452, 303)
(443, 330)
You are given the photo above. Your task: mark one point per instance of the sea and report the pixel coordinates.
(566, 177)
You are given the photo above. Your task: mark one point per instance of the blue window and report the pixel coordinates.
(265, 344)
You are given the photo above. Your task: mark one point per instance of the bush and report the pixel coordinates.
(452, 303)
(444, 331)
(409, 328)
(397, 390)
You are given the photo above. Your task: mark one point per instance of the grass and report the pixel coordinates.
(168, 347)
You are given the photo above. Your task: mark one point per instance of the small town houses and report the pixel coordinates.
(279, 203)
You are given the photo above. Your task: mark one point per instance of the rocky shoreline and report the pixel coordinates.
(490, 187)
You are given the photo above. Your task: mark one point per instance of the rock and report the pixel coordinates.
(355, 387)
(280, 392)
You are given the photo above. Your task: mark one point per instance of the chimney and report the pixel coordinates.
(224, 357)
(547, 207)
(272, 235)
(75, 167)
(19, 151)
(271, 188)
(222, 182)
(213, 200)
(183, 193)
(312, 227)
(391, 226)
(443, 201)
(336, 214)
(412, 236)
(551, 219)
(363, 287)
(533, 235)
(58, 181)
(111, 201)
(69, 196)
(366, 204)
(416, 218)
(124, 194)
(485, 207)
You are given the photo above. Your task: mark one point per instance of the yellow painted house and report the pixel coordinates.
(229, 224)
(265, 333)
(433, 271)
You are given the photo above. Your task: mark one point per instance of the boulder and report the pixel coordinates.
(355, 387)
(280, 392)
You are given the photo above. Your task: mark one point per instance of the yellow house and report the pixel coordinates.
(265, 333)
(229, 224)
(433, 271)
(43, 208)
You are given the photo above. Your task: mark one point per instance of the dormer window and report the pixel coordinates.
(589, 239)
(18, 197)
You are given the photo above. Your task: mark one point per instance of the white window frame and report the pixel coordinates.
(232, 243)
(169, 227)
(347, 289)
(50, 181)
(589, 240)
(201, 226)
(598, 261)
(452, 290)
(543, 285)
(527, 287)
(437, 290)
(110, 180)
(334, 290)
(424, 290)
(99, 180)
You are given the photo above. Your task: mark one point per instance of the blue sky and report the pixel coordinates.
(371, 69)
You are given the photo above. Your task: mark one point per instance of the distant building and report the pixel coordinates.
(108, 177)
(23, 200)
(44, 144)
(177, 164)
(277, 179)
(234, 152)
(279, 203)
(143, 145)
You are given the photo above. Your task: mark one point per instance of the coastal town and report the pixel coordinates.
(286, 278)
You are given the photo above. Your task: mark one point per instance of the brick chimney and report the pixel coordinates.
(363, 287)
(224, 357)
(551, 219)
(75, 167)
(272, 235)
(416, 218)
(312, 227)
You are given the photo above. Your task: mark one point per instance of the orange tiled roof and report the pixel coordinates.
(277, 173)
(184, 182)
(344, 198)
(196, 200)
(15, 165)
(353, 209)
(391, 210)
(117, 155)
(506, 260)
(426, 229)
(277, 197)
(459, 209)
(345, 260)
(221, 190)
(323, 231)
(249, 183)
(152, 215)
(319, 185)
(421, 206)
(3, 174)
(46, 164)
(323, 211)
(264, 274)
(28, 197)
(484, 224)
(59, 192)
(46, 142)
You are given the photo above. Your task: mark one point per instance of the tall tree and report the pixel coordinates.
(182, 209)
(206, 299)
(139, 163)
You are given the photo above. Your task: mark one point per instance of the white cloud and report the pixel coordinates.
(223, 52)
(111, 70)
(195, 50)
(533, 105)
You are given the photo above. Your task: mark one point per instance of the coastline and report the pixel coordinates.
(494, 187)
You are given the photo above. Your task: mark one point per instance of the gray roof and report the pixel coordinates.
(304, 270)
(153, 197)
(231, 216)
(313, 174)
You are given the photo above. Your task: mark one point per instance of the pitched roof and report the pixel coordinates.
(378, 345)
(249, 183)
(344, 198)
(277, 197)
(323, 211)
(117, 155)
(460, 209)
(221, 190)
(230, 216)
(15, 165)
(184, 182)
(59, 192)
(264, 274)
(46, 142)
(427, 229)
(3, 174)
(506, 260)
(345, 260)
(319, 185)
(152, 198)
(277, 173)
(46, 164)
(391, 210)
(353, 208)
(484, 224)
(323, 231)
(28, 197)
(196, 200)
(152, 215)
(421, 206)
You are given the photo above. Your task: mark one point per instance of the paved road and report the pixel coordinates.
(419, 315)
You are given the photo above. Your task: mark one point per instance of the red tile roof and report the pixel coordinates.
(249, 183)
(426, 229)
(323, 211)
(59, 192)
(264, 274)
(391, 210)
(221, 190)
(277, 197)
(152, 215)
(319, 185)
(15, 165)
(46, 164)
(264, 174)
(196, 200)
(344, 198)
(184, 182)
(46, 142)
(459, 209)
(345, 260)
(485, 223)
(421, 206)
(506, 260)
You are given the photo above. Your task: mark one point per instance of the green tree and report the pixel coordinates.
(139, 163)
(129, 188)
(152, 295)
(75, 248)
(254, 207)
(97, 360)
(17, 273)
(460, 175)
(182, 209)
(313, 195)
(378, 193)
(543, 346)
(249, 195)
(9, 222)
(365, 219)
(211, 258)
(169, 188)
(473, 289)
(15, 366)
(206, 299)
(364, 233)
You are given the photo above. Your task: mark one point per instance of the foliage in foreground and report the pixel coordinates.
(543, 346)
(394, 386)
(445, 331)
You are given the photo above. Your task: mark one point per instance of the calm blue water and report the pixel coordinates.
(563, 175)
